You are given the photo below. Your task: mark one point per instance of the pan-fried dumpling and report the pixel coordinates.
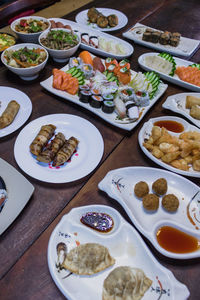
(88, 259)
(125, 283)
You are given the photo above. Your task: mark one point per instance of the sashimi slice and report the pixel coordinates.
(189, 74)
(159, 64)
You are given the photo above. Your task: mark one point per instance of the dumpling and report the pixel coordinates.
(125, 283)
(88, 259)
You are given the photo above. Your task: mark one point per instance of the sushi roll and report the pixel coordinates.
(84, 87)
(87, 70)
(149, 30)
(127, 94)
(95, 92)
(142, 99)
(132, 110)
(3, 193)
(94, 42)
(75, 62)
(174, 41)
(155, 36)
(176, 34)
(107, 97)
(164, 38)
(96, 101)
(146, 36)
(84, 96)
(108, 107)
(85, 38)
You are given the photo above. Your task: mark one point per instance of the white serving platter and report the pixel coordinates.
(88, 153)
(8, 94)
(19, 191)
(124, 244)
(185, 48)
(177, 102)
(173, 79)
(82, 19)
(145, 132)
(92, 32)
(119, 185)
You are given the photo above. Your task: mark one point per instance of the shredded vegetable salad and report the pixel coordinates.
(60, 40)
(31, 26)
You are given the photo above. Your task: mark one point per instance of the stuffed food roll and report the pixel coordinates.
(66, 151)
(9, 114)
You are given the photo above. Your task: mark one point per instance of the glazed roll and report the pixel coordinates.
(66, 151)
(9, 114)
(49, 153)
(42, 138)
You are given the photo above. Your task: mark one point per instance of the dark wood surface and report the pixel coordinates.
(23, 246)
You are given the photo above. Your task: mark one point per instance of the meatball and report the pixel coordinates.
(160, 186)
(102, 21)
(150, 202)
(170, 202)
(141, 189)
(93, 14)
(112, 20)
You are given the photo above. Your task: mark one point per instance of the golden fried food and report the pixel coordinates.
(191, 101)
(9, 114)
(196, 165)
(160, 186)
(157, 152)
(112, 20)
(170, 202)
(141, 189)
(150, 202)
(102, 21)
(195, 112)
(93, 14)
(180, 164)
(167, 158)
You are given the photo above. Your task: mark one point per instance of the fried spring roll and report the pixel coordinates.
(42, 138)
(9, 114)
(66, 151)
(49, 153)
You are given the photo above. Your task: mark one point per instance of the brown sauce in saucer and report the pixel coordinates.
(170, 125)
(98, 221)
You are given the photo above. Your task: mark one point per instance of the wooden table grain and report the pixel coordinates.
(23, 246)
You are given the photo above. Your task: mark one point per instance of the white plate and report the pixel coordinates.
(177, 102)
(110, 118)
(6, 95)
(85, 29)
(17, 197)
(145, 131)
(185, 48)
(119, 185)
(173, 79)
(124, 244)
(88, 154)
(82, 19)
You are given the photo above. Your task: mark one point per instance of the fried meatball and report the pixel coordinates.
(102, 21)
(170, 202)
(150, 202)
(160, 186)
(112, 20)
(93, 14)
(141, 189)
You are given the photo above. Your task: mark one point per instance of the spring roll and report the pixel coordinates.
(192, 100)
(49, 153)
(9, 114)
(42, 138)
(195, 112)
(66, 151)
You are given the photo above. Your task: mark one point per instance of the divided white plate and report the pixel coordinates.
(6, 95)
(185, 48)
(88, 153)
(124, 244)
(82, 19)
(177, 102)
(145, 131)
(85, 29)
(173, 79)
(19, 191)
(110, 118)
(119, 185)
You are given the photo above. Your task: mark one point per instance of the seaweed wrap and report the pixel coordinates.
(49, 153)
(65, 152)
(9, 114)
(42, 138)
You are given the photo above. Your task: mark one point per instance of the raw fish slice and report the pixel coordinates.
(66, 151)
(120, 107)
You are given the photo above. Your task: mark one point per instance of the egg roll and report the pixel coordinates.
(65, 152)
(49, 153)
(9, 114)
(46, 132)
(192, 100)
(195, 112)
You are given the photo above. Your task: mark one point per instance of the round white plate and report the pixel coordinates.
(124, 244)
(88, 153)
(145, 131)
(119, 185)
(6, 95)
(81, 18)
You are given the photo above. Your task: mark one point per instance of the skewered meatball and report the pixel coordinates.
(170, 202)
(112, 20)
(102, 21)
(150, 202)
(160, 186)
(141, 189)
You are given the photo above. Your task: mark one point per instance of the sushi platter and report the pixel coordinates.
(185, 47)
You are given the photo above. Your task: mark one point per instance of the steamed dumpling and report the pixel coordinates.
(125, 283)
(88, 259)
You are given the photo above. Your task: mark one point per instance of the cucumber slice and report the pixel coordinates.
(110, 74)
(71, 70)
(81, 82)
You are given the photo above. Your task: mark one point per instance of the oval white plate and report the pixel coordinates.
(177, 102)
(185, 48)
(119, 185)
(173, 79)
(6, 95)
(84, 29)
(82, 19)
(88, 155)
(146, 130)
(124, 244)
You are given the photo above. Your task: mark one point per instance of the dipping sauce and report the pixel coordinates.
(170, 125)
(174, 240)
(98, 221)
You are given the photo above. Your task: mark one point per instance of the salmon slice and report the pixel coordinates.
(65, 82)
(189, 74)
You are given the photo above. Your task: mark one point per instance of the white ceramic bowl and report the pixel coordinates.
(60, 55)
(29, 37)
(25, 73)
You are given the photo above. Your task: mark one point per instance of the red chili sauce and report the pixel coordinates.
(170, 125)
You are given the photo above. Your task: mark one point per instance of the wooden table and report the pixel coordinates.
(23, 246)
